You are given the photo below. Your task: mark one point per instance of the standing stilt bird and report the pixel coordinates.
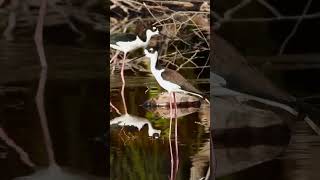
(125, 43)
(173, 82)
(169, 79)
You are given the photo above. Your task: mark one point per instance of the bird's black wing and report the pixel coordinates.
(123, 37)
(176, 78)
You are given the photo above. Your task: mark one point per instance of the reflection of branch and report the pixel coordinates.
(42, 82)
(294, 30)
(65, 16)
(23, 155)
(229, 12)
(38, 36)
(135, 121)
(11, 20)
(243, 3)
(274, 11)
(42, 114)
(277, 15)
(200, 168)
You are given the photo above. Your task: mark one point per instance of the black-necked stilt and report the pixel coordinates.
(173, 82)
(125, 43)
(169, 79)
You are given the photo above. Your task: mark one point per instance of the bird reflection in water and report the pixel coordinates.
(131, 120)
(135, 121)
(186, 105)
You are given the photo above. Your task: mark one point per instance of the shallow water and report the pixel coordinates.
(75, 119)
(136, 155)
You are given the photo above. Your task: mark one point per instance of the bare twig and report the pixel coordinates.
(229, 12)
(295, 28)
(38, 37)
(11, 20)
(208, 60)
(274, 11)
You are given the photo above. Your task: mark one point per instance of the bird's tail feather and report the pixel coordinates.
(202, 96)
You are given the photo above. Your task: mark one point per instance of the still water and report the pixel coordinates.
(64, 142)
(75, 101)
(140, 146)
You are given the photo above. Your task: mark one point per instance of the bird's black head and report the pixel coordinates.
(153, 49)
(151, 52)
(154, 29)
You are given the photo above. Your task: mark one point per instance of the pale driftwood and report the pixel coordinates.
(233, 67)
(247, 83)
(228, 113)
(246, 97)
(217, 80)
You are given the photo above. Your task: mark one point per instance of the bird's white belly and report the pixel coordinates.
(167, 85)
(128, 46)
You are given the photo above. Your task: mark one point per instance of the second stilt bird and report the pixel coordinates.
(125, 43)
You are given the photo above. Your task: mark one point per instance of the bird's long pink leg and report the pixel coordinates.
(122, 68)
(123, 85)
(114, 57)
(170, 130)
(176, 133)
(114, 61)
(123, 99)
(115, 108)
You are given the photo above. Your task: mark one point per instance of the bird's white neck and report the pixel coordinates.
(144, 43)
(153, 63)
(148, 37)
